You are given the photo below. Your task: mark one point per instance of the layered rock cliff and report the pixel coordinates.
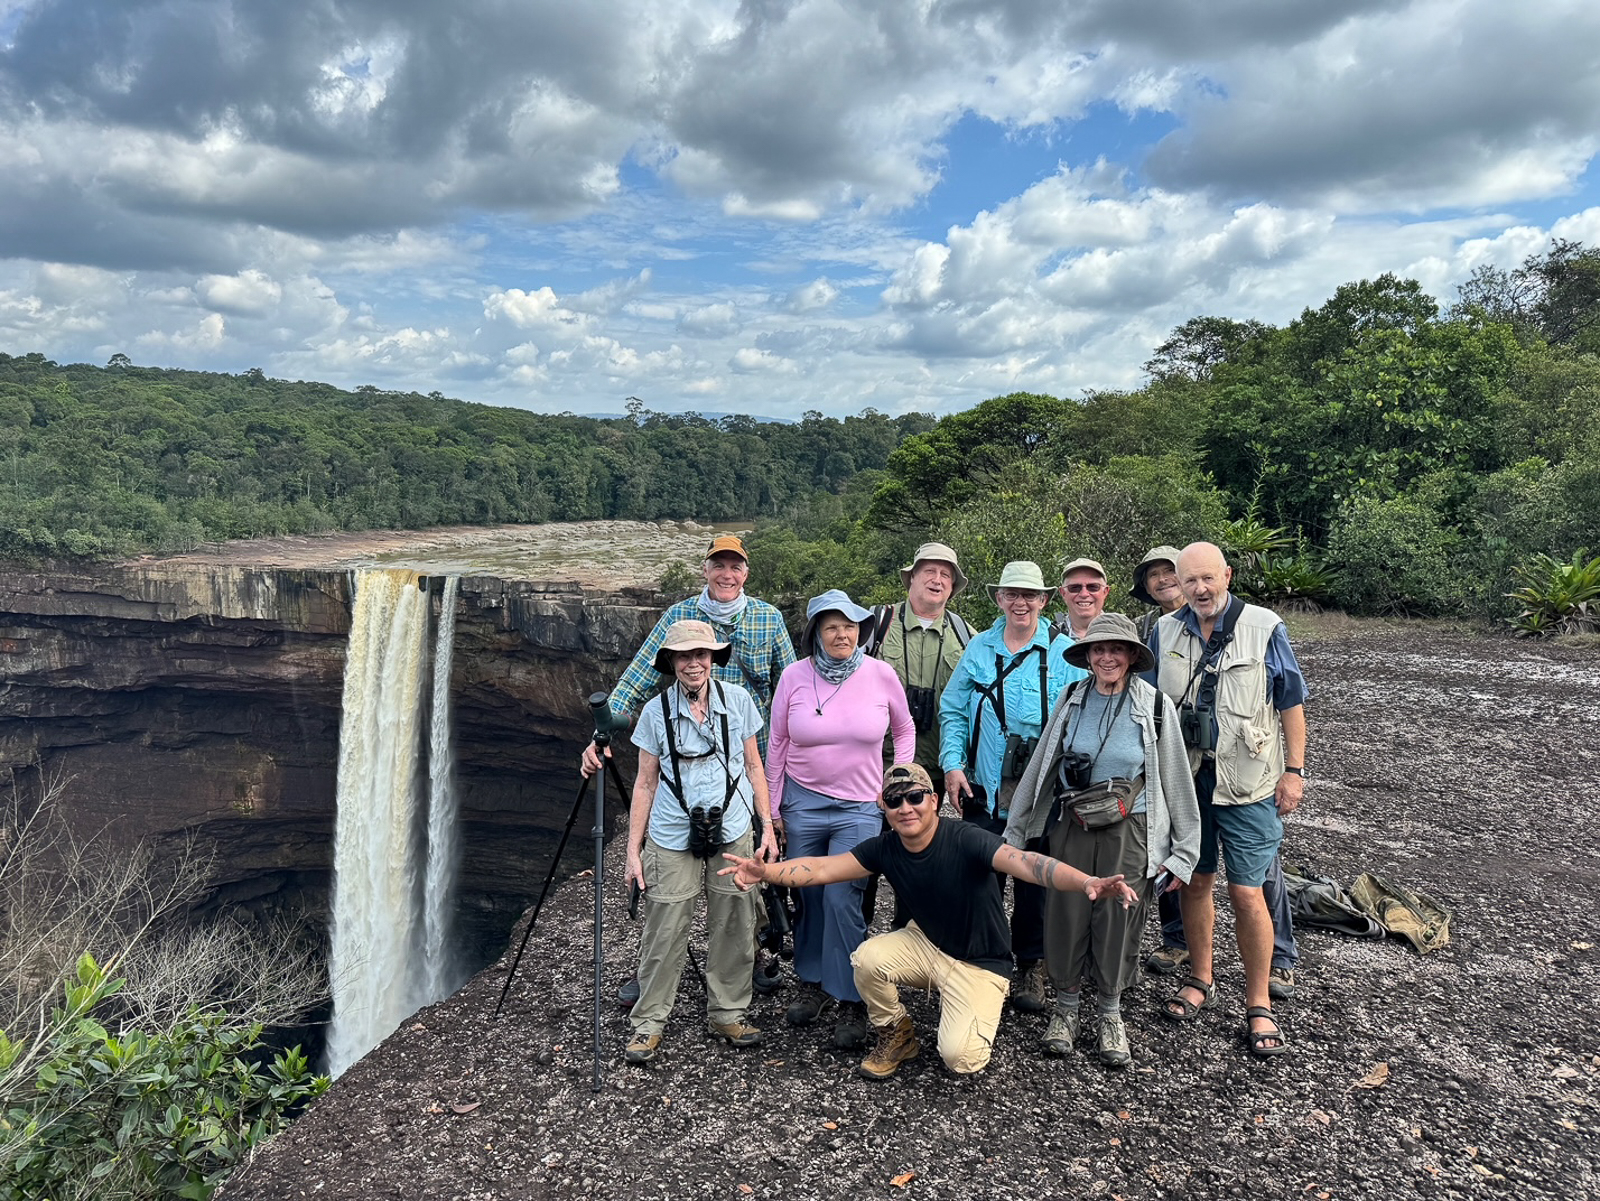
(201, 696)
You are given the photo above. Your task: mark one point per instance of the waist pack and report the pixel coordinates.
(1099, 805)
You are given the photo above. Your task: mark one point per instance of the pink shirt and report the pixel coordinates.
(838, 752)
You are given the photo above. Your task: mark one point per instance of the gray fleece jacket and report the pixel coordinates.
(1172, 813)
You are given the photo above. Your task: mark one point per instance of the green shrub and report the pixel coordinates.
(1558, 597)
(87, 1113)
(1394, 557)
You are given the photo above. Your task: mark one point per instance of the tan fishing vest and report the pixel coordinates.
(1249, 735)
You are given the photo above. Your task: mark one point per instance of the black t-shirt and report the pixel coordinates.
(949, 890)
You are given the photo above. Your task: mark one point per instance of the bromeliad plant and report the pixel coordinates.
(1557, 597)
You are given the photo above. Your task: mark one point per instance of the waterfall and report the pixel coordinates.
(389, 897)
(443, 852)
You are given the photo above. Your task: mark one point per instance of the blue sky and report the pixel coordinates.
(767, 206)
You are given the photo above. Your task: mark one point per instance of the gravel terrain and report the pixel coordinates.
(1462, 766)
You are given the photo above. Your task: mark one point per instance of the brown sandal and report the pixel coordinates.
(1178, 1008)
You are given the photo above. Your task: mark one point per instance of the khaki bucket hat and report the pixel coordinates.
(935, 552)
(690, 635)
(1111, 627)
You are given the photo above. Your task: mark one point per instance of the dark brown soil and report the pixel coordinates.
(1464, 767)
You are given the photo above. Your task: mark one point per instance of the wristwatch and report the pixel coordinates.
(1296, 771)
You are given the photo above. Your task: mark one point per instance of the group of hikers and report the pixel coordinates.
(1097, 762)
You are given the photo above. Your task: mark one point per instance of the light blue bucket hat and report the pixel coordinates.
(836, 600)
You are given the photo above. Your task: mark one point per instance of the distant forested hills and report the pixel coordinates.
(116, 459)
(1377, 453)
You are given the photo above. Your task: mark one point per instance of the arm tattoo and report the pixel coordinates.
(788, 875)
(1042, 868)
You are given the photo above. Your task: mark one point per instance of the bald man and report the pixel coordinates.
(1240, 694)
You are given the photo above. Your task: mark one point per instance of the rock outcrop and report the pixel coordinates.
(200, 697)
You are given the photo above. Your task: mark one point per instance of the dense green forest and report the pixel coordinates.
(1379, 453)
(97, 461)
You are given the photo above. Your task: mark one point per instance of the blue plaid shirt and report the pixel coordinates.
(761, 650)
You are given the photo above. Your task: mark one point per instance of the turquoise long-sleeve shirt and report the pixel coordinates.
(1025, 709)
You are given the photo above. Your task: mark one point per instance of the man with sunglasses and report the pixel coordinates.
(1084, 591)
(956, 940)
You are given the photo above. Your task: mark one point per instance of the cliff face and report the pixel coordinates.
(203, 698)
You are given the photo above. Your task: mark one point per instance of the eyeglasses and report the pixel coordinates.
(1006, 595)
(900, 798)
(1091, 589)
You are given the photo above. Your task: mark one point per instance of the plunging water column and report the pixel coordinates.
(394, 841)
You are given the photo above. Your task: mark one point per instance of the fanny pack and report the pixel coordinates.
(1099, 805)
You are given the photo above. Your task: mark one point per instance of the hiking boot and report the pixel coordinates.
(808, 1006)
(1114, 1051)
(628, 994)
(643, 1048)
(1027, 994)
(768, 976)
(1280, 983)
(735, 1034)
(1061, 1033)
(850, 1030)
(897, 1042)
(1167, 961)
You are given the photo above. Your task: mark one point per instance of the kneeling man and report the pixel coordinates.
(957, 939)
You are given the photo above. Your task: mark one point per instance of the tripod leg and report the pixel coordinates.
(555, 864)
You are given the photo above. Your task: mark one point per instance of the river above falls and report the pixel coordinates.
(605, 554)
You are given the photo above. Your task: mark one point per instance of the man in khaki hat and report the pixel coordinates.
(1084, 591)
(922, 640)
(956, 940)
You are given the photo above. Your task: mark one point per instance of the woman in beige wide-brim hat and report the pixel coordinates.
(1106, 729)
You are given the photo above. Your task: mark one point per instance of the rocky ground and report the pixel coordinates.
(1465, 767)
(611, 554)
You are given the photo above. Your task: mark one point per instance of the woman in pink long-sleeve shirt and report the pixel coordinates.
(830, 713)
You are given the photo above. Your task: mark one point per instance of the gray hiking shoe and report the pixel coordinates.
(1113, 1048)
(1061, 1033)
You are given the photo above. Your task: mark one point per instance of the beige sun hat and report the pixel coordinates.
(690, 635)
(935, 552)
(1111, 627)
(1020, 573)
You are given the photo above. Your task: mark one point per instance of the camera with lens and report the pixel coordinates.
(924, 706)
(1199, 730)
(1017, 753)
(780, 921)
(705, 831)
(1073, 773)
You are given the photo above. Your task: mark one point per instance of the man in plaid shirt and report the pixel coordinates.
(761, 646)
(761, 650)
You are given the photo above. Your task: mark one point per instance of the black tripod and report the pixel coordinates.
(605, 723)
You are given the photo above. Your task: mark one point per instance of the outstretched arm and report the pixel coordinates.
(1046, 872)
(794, 873)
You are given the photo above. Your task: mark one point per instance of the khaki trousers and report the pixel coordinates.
(673, 882)
(970, 997)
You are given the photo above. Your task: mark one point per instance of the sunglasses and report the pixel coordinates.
(1089, 588)
(900, 798)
